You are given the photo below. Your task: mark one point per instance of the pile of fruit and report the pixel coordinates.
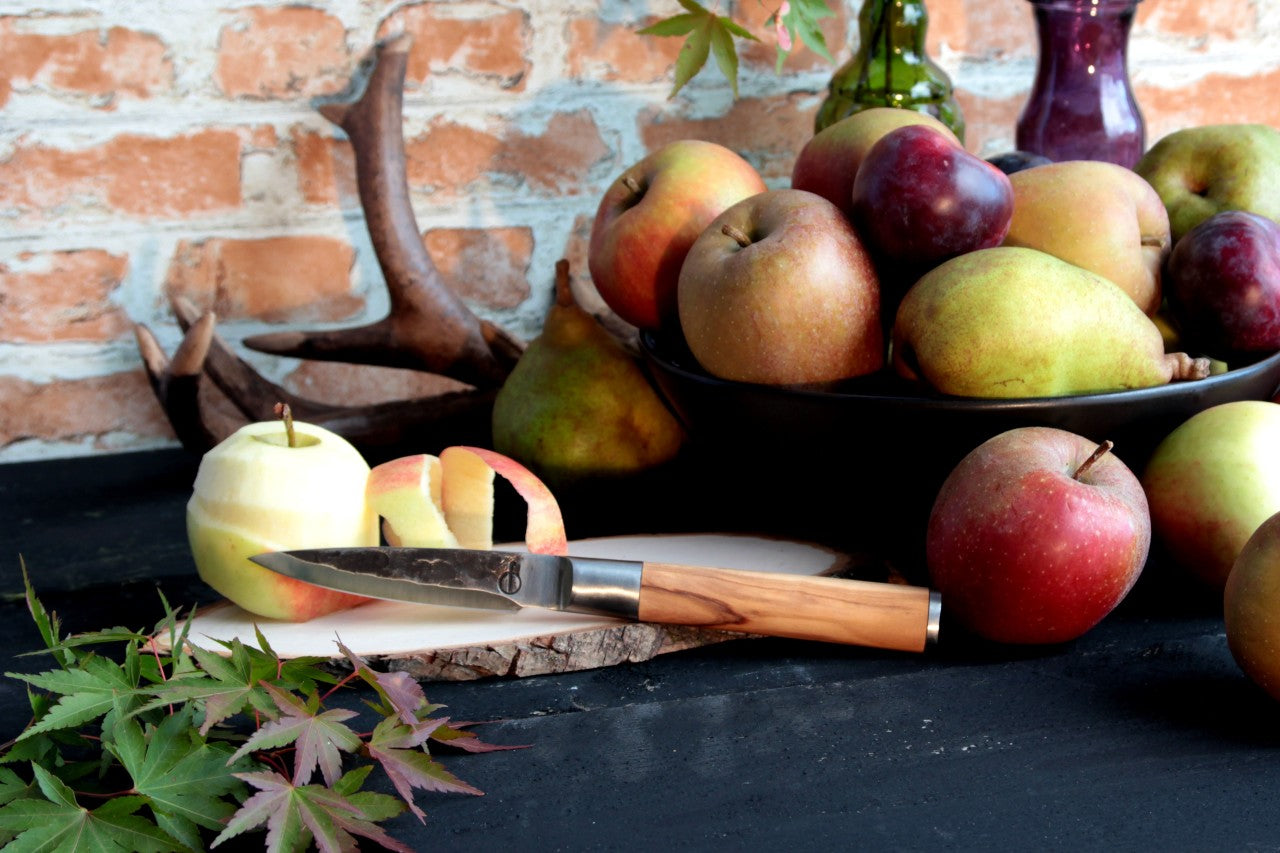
(895, 250)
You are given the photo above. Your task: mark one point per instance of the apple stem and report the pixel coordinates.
(736, 233)
(283, 412)
(632, 184)
(1098, 452)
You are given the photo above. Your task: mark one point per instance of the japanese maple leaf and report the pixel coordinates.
(182, 779)
(296, 815)
(403, 696)
(397, 748)
(319, 736)
(59, 823)
(398, 689)
(85, 693)
(225, 685)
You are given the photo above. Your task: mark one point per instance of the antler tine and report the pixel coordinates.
(250, 391)
(429, 327)
(199, 414)
(208, 393)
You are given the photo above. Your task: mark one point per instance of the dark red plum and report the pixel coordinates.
(1015, 161)
(1223, 286)
(919, 199)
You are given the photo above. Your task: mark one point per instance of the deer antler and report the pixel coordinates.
(429, 327)
(208, 392)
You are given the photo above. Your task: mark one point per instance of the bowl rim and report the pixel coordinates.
(1266, 366)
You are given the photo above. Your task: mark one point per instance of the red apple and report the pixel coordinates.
(1037, 535)
(650, 216)
(780, 290)
(920, 199)
(1224, 285)
(1250, 602)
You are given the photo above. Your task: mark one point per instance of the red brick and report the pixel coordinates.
(490, 42)
(557, 159)
(275, 279)
(142, 176)
(361, 385)
(490, 267)
(1212, 99)
(768, 132)
(1199, 21)
(281, 53)
(79, 409)
(601, 50)
(980, 28)
(326, 168)
(450, 157)
(63, 296)
(105, 64)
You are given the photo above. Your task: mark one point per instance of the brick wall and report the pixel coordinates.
(150, 147)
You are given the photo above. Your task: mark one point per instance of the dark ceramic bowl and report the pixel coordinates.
(892, 444)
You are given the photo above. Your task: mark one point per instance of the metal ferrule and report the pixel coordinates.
(605, 587)
(935, 617)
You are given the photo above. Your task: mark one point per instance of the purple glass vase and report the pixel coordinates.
(1081, 106)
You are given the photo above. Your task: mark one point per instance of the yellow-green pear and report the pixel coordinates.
(578, 406)
(1016, 322)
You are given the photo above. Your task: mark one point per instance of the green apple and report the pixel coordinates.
(650, 216)
(254, 492)
(1099, 216)
(1250, 603)
(829, 161)
(1212, 481)
(1200, 171)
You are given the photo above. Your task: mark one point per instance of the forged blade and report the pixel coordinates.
(493, 580)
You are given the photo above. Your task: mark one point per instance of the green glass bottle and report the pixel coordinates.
(891, 68)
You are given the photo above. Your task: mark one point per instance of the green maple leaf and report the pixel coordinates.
(705, 33)
(801, 21)
(58, 823)
(320, 735)
(46, 623)
(86, 693)
(224, 686)
(295, 815)
(182, 778)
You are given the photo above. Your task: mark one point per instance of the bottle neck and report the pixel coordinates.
(892, 30)
(1083, 41)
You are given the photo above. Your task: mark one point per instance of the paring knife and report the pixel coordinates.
(863, 613)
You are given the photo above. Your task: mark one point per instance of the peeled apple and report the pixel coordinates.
(254, 493)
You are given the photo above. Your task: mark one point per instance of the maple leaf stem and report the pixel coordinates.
(346, 679)
(95, 795)
(276, 760)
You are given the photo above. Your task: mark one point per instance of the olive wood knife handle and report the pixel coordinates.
(835, 610)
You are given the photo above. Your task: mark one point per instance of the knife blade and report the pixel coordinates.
(855, 612)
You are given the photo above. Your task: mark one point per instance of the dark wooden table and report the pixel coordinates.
(1141, 735)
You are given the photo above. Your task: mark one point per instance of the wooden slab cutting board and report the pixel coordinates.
(458, 644)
